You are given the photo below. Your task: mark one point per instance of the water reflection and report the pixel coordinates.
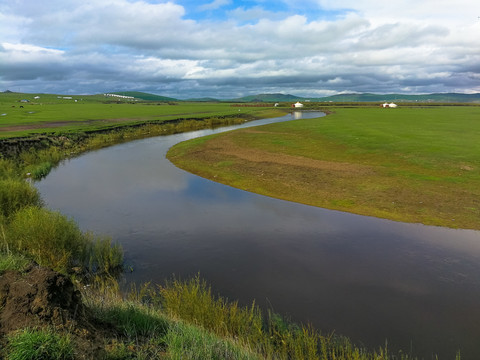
(367, 278)
(297, 115)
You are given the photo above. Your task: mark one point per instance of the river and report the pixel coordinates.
(374, 280)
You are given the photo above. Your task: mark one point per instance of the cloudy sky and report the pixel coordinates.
(230, 48)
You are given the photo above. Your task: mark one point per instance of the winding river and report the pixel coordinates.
(370, 279)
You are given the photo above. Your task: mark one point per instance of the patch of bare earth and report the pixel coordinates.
(40, 298)
(225, 146)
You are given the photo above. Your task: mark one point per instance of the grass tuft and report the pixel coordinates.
(31, 344)
(13, 262)
(186, 342)
(41, 170)
(136, 322)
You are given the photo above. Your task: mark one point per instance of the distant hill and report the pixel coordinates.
(278, 97)
(365, 97)
(205, 99)
(441, 97)
(144, 96)
(267, 98)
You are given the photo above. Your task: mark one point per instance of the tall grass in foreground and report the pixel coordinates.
(146, 332)
(270, 336)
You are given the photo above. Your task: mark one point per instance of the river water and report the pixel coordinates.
(374, 280)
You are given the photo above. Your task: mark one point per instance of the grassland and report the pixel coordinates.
(406, 164)
(54, 114)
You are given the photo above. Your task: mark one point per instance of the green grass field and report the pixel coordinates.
(406, 164)
(52, 113)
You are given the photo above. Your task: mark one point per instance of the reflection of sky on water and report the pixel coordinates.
(361, 276)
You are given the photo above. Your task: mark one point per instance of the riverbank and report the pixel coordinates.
(414, 164)
(46, 316)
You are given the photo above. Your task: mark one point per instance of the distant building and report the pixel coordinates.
(391, 105)
(119, 96)
(37, 97)
(24, 100)
(297, 105)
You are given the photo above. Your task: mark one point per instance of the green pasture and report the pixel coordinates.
(408, 164)
(52, 113)
(443, 138)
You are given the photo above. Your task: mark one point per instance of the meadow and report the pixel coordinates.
(411, 164)
(51, 114)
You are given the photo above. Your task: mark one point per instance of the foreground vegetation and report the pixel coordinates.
(178, 320)
(406, 164)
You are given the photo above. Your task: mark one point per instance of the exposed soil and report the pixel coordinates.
(39, 298)
(225, 146)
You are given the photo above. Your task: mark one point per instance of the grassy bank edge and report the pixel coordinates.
(204, 157)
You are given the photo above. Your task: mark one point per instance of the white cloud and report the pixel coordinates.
(401, 45)
(27, 50)
(425, 10)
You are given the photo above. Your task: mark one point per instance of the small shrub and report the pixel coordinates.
(15, 195)
(103, 256)
(39, 345)
(50, 238)
(53, 240)
(8, 169)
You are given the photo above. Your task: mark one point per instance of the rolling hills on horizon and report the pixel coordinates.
(353, 97)
(279, 97)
